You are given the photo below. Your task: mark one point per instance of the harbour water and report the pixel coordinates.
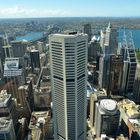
(135, 34)
(30, 36)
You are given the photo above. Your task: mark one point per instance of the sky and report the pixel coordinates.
(69, 8)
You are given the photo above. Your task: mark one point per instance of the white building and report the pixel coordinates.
(68, 58)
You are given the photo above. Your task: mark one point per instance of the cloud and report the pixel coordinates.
(19, 11)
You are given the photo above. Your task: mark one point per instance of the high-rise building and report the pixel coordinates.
(39, 124)
(104, 66)
(130, 64)
(106, 117)
(129, 119)
(13, 75)
(110, 41)
(136, 89)
(68, 58)
(7, 51)
(35, 59)
(115, 74)
(19, 48)
(7, 131)
(7, 106)
(93, 50)
(94, 98)
(109, 45)
(88, 31)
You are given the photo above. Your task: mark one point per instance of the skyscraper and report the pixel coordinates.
(19, 48)
(106, 117)
(35, 59)
(68, 57)
(7, 131)
(115, 74)
(130, 63)
(87, 30)
(110, 41)
(109, 46)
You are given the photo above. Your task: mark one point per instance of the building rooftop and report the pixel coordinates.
(11, 67)
(38, 118)
(101, 92)
(36, 134)
(5, 123)
(68, 34)
(109, 105)
(135, 125)
(8, 46)
(132, 110)
(34, 50)
(4, 98)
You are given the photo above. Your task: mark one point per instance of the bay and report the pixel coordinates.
(135, 36)
(30, 36)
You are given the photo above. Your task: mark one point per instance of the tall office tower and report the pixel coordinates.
(102, 38)
(130, 64)
(94, 98)
(68, 58)
(7, 51)
(111, 43)
(109, 46)
(13, 75)
(7, 106)
(93, 50)
(136, 89)
(2, 43)
(108, 40)
(19, 48)
(106, 117)
(104, 66)
(35, 59)
(88, 31)
(115, 74)
(7, 131)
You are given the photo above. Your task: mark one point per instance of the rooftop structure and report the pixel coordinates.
(6, 129)
(130, 63)
(130, 108)
(4, 98)
(7, 106)
(11, 67)
(130, 115)
(4, 123)
(39, 123)
(94, 98)
(107, 117)
(108, 106)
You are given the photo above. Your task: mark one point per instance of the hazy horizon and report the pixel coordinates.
(73, 8)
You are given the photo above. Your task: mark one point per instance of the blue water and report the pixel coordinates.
(30, 36)
(37, 35)
(135, 36)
